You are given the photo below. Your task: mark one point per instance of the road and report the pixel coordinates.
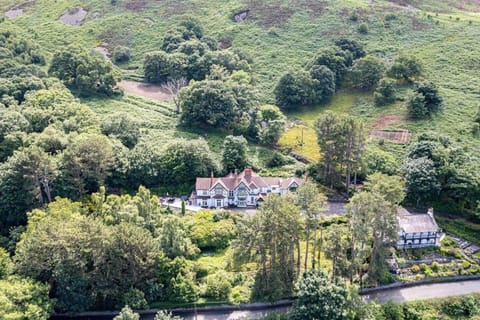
(427, 291)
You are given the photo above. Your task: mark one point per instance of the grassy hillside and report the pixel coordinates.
(281, 35)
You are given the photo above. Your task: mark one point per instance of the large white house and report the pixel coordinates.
(242, 190)
(417, 230)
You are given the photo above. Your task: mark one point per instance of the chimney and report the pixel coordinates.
(430, 212)
(236, 172)
(248, 172)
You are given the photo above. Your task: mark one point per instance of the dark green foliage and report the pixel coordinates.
(86, 72)
(318, 298)
(425, 101)
(272, 132)
(86, 164)
(209, 102)
(121, 54)
(432, 98)
(385, 93)
(378, 160)
(405, 68)
(234, 156)
(461, 307)
(90, 265)
(366, 72)
(341, 139)
(160, 67)
(323, 82)
(421, 179)
(277, 160)
(218, 103)
(186, 53)
(455, 169)
(184, 160)
(18, 86)
(272, 232)
(36, 171)
(416, 106)
(174, 238)
(211, 231)
(336, 59)
(218, 285)
(122, 126)
(351, 45)
(294, 89)
(393, 311)
(362, 28)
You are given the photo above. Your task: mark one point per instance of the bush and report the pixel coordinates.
(466, 264)
(277, 160)
(218, 285)
(366, 72)
(363, 28)
(121, 54)
(240, 294)
(135, 298)
(210, 234)
(385, 92)
(294, 89)
(415, 268)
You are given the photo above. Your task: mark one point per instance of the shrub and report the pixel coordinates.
(423, 266)
(218, 285)
(240, 294)
(294, 89)
(121, 54)
(393, 311)
(415, 268)
(277, 160)
(466, 264)
(135, 299)
(366, 72)
(385, 92)
(363, 28)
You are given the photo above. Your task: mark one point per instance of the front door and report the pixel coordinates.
(219, 203)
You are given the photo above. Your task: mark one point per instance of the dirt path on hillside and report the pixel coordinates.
(146, 90)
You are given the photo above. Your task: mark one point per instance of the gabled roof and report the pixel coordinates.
(416, 222)
(248, 177)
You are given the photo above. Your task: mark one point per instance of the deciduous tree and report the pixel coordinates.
(318, 298)
(234, 156)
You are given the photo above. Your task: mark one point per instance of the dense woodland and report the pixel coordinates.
(81, 225)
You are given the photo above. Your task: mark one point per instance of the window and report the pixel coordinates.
(242, 192)
(205, 192)
(230, 194)
(218, 190)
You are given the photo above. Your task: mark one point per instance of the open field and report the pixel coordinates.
(281, 35)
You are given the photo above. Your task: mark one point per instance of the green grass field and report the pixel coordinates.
(281, 35)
